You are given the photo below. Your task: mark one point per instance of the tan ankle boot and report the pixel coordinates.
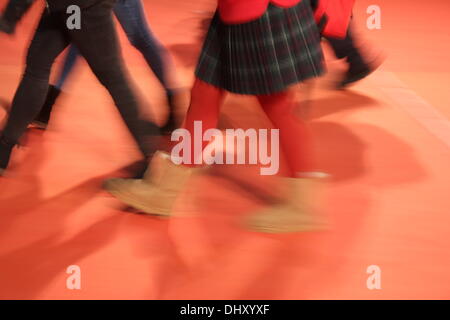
(296, 213)
(157, 191)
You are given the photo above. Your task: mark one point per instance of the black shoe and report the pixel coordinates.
(6, 27)
(5, 154)
(42, 119)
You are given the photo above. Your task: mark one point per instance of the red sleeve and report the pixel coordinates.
(337, 14)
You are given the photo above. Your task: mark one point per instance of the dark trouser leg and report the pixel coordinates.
(48, 42)
(98, 43)
(54, 91)
(14, 11)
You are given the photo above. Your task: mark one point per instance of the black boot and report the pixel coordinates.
(5, 154)
(42, 119)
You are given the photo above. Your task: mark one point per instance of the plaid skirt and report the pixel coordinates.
(263, 56)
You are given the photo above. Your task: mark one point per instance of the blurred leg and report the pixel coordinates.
(43, 118)
(206, 101)
(98, 43)
(48, 42)
(294, 140)
(131, 16)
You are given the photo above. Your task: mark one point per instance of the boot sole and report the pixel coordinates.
(313, 225)
(130, 200)
(274, 230)
(39, 125)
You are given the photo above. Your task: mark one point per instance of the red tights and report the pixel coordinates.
(206, 101)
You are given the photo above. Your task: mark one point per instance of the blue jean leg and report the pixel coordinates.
(131, 16)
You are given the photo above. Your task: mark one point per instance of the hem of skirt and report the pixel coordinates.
(274, 90)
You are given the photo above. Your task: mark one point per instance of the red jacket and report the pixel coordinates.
(333, 15)
(240, 11)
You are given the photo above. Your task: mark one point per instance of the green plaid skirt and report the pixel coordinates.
(263, 56)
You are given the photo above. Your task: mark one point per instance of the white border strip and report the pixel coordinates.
(417, 107)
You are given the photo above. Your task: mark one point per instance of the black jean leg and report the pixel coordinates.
(98, 43)
(48, 42)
